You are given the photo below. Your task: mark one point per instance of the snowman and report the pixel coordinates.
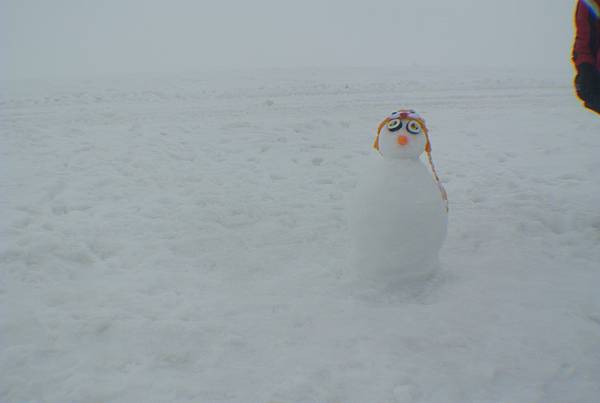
(400, 217)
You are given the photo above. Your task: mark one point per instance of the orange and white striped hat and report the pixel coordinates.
(404, 114)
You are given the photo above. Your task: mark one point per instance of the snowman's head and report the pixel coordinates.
(403, 134)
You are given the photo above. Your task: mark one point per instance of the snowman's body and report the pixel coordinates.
(401, 220)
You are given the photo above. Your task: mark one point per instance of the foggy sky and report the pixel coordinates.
(88, 37)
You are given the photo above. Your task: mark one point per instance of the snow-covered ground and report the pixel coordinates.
(185, 238)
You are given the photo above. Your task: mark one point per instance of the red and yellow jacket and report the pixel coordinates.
(586, 48)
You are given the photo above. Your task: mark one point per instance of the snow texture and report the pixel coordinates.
(186, 238)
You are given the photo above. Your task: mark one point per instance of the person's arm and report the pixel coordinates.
(587, 80)
(582, 48)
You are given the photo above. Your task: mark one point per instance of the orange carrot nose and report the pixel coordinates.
(402, 140)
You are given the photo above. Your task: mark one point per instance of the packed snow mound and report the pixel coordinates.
(398, 222)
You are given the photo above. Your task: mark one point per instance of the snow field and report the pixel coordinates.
(185, 238)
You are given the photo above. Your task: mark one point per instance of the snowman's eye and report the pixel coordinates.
(413, 127)
(394, 124)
